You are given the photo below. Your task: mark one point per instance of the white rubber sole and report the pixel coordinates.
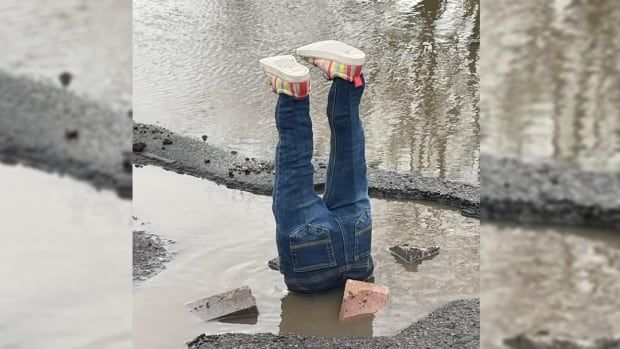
(334, 51)
(285, 67)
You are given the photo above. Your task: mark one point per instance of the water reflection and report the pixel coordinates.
(197, 73)
(318, 316)
(562, 280)
(552, 81)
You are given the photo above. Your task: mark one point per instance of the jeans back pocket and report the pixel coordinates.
(363, 236)
(311, 248)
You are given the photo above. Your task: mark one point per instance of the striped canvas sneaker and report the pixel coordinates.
(335, 59)
(286, 76)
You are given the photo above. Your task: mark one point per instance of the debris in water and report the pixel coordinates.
(411, 254)
(139, 147)
(274, 264)
(71, 134)
(65, 78)
(251, 166)
(204, 138)
(228, 305)
(166, 141)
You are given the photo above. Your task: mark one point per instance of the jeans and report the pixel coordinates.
(322, 242)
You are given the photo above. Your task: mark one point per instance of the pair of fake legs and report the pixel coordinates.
(322, 241)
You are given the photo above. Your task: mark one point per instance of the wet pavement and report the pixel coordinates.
(197, 74)
(54, 130)
(159, 146)
(150, 253)
(82, 129)
(213, 255)
(549, 193)
(65, 263)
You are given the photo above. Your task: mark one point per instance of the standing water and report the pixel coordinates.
(89, 39)
(197, 72)
(551, 82)
(65, 263)
(225, 237)
(564, 280)
(551, 91)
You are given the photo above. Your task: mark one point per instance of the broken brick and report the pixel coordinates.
(362, 298)
(236, 303)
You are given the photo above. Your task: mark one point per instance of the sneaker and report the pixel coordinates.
(335, 59)
(286, 76)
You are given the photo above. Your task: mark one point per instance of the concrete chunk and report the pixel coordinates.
(228, 305)
(362, 298)
(411, 254)
(274, 264)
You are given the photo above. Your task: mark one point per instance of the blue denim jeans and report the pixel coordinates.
(322, 242)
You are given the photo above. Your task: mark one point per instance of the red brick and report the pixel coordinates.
(363, 298)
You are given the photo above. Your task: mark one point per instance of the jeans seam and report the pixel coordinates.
(344, 242)
(279, 168)
(357, 255)
(316, 278)
(332, 167)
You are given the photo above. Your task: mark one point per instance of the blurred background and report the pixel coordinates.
(550, 98)
(65, 96)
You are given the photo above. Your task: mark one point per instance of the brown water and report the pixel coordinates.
(566, 280)
(196, 72)
(65, 264)
(90, 39)
(225, 237)
(551, 86)
(66, 248)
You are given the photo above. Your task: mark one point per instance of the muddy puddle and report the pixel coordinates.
(89, 39)
(65, 263)
(225, 237)
(565, 280)
(197, 73)
(551, 81)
